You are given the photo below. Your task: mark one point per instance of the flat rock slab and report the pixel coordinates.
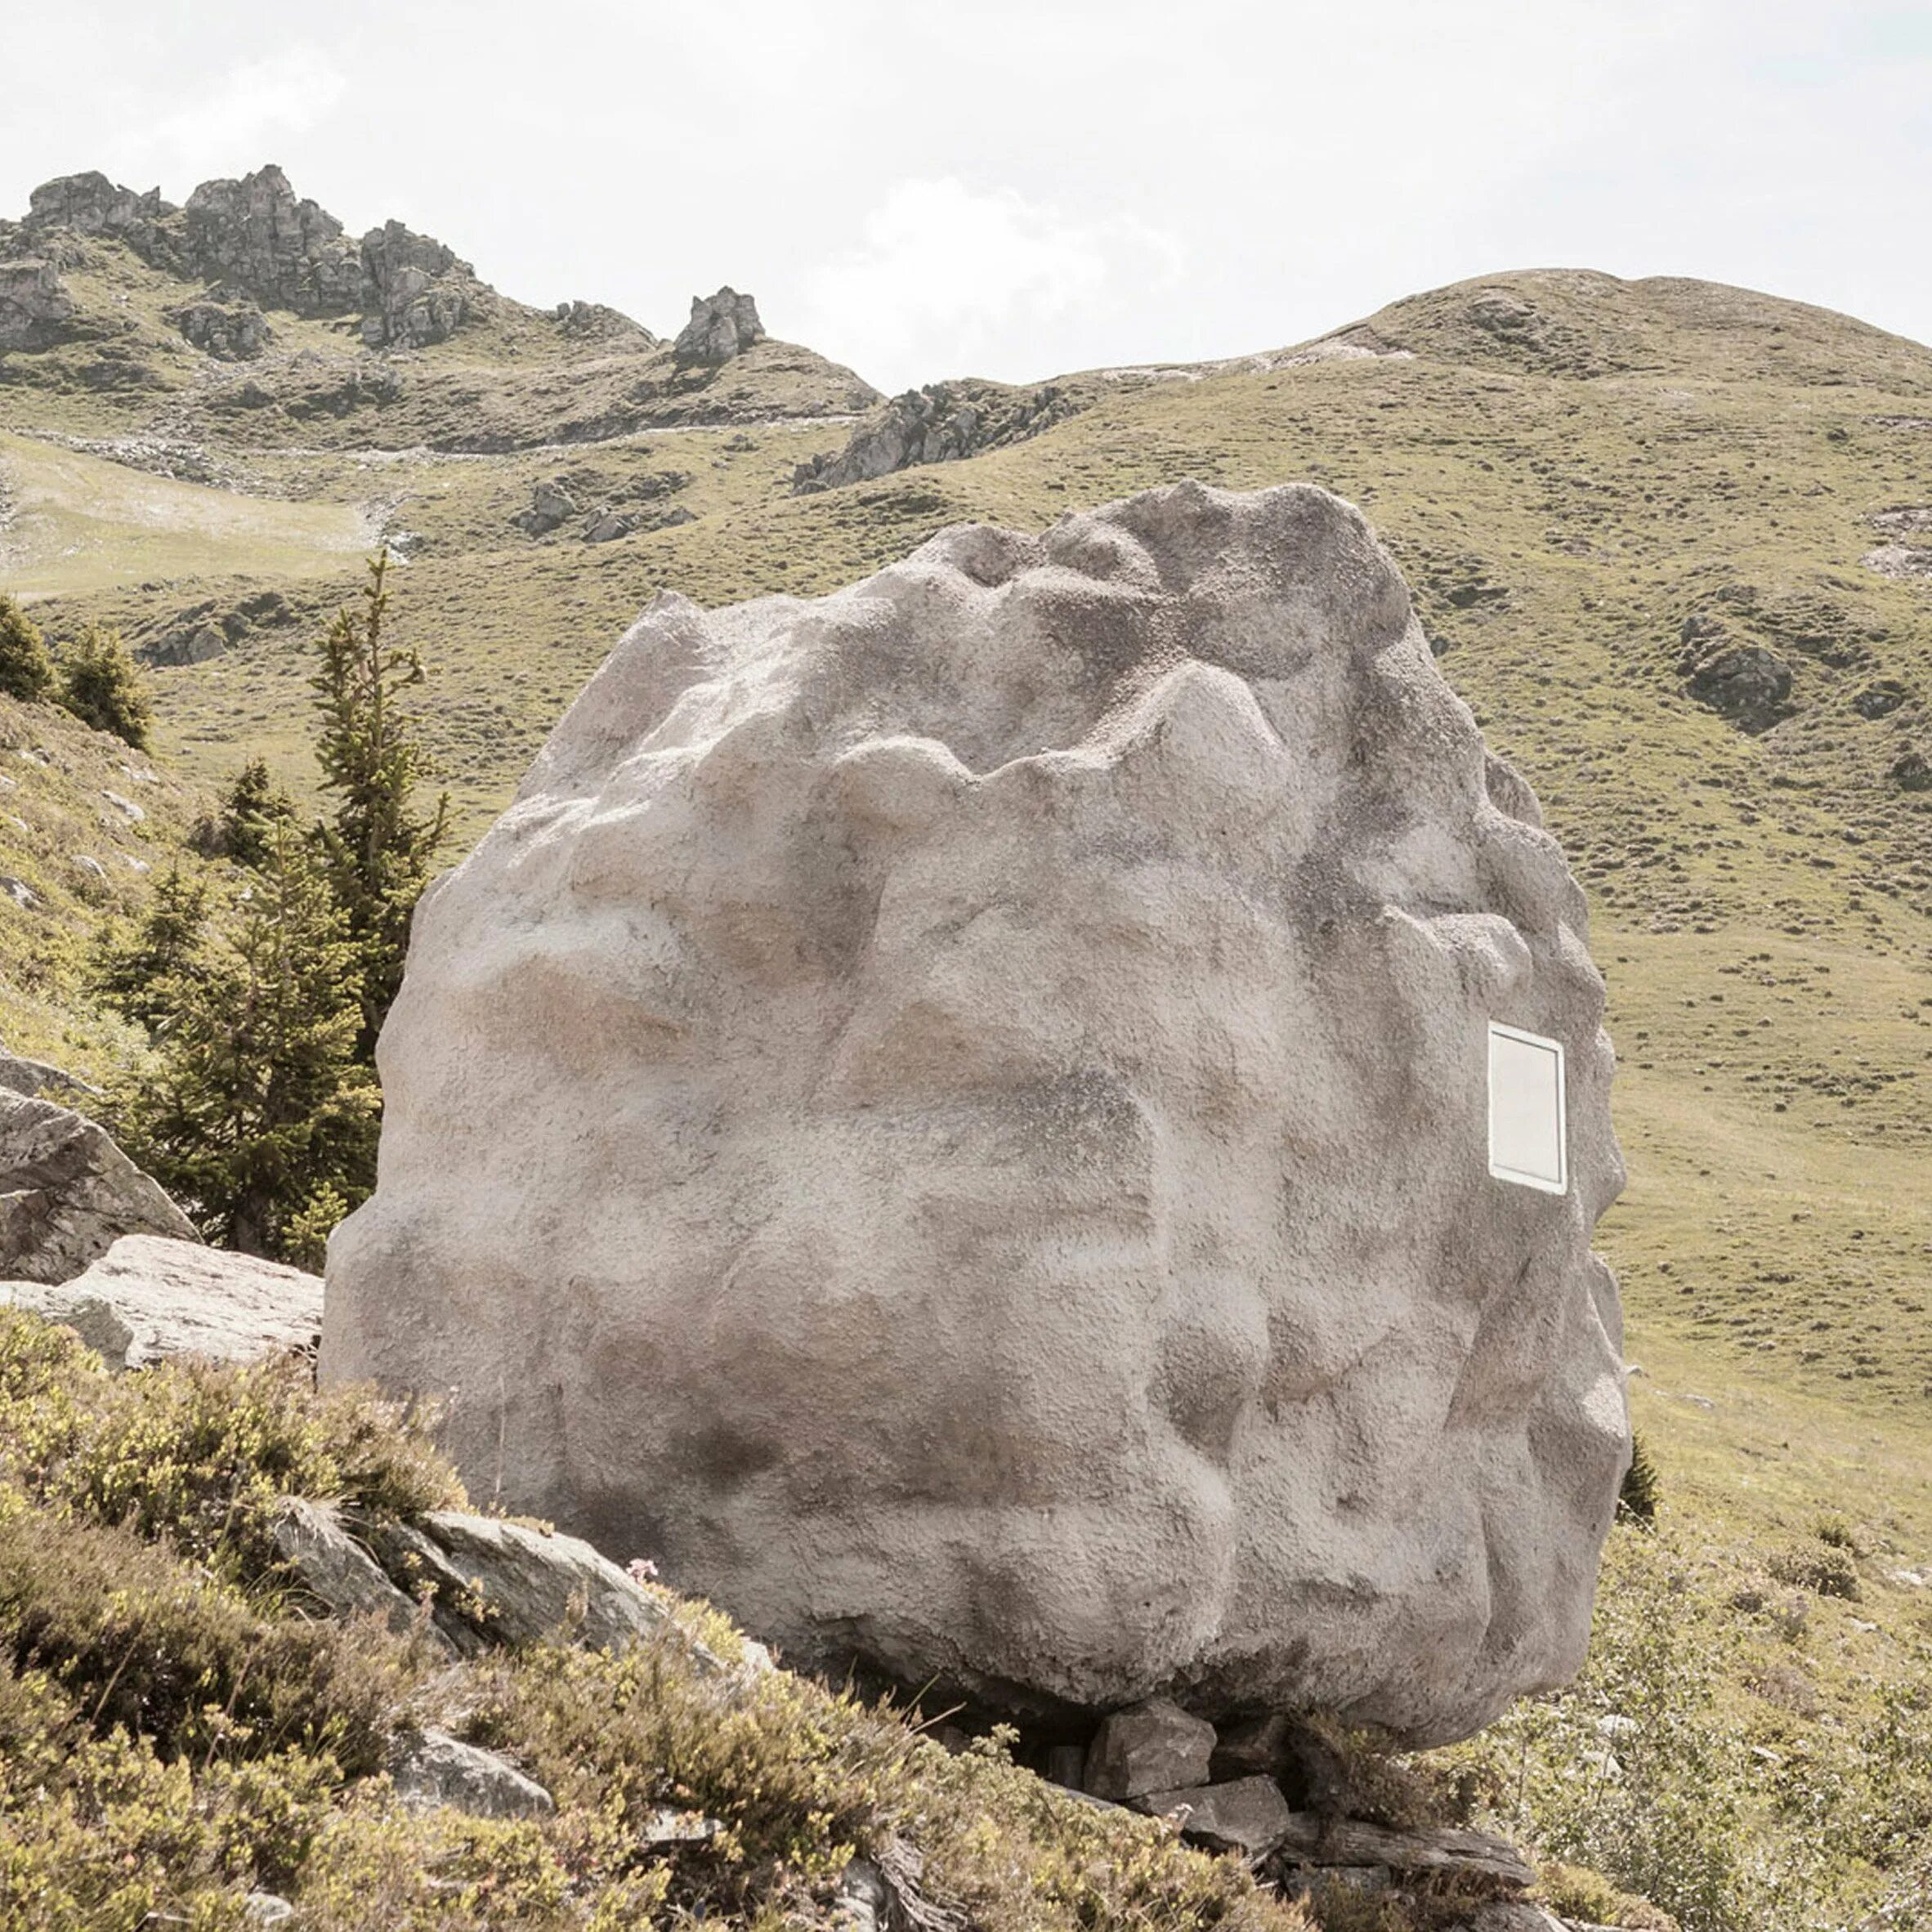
(335, 1569)
(152, 1299)
(1248, 1815)
(431, 1767)
(68, 1193)
(504, 1582)
(1308, 1840)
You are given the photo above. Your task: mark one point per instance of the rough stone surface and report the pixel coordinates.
(68, 1193)
(418, 291)
(431, 1767)
(550, 505)
(529, 1586)
(944, 422)
(341, 1574)
(1748, 683)
(1901, 560)
(230, 332)
(722, 326)
(1248, 1815)
(1151, 1747)
(258, 235)
(150, 1298)
(35, 1077)
(1308, 1840)
(954, 1116)
(34, 304)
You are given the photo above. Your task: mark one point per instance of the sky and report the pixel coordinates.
(1017, 191)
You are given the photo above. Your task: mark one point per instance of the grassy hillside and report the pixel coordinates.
(1674, 542)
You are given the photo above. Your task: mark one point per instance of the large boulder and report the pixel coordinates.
(954, 1116)
(150, 1299)
(34, 304)
(68, 1193)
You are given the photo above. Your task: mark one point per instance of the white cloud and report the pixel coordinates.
(947, 276)
(251, 103)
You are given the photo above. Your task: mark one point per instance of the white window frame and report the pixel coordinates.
(1518, 1177)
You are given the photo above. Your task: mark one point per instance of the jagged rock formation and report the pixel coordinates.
(34, 304)
(722, 326)
(417, 291)
(256, 234)
(68, 1193)
(594, 321)
(255, 241)
(230, 332)
(998, 1057)
(90, 203)
(941, 423)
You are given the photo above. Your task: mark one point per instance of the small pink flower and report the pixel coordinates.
(640, 1569)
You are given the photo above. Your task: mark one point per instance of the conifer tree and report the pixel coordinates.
(135, 968)
(101, 686)
(260, 1118)
(26, 670)
(380, 849)
(245, 831)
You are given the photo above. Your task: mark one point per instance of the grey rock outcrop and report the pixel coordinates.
(90, 203)
(418, 293)
(551, 506)
(230, 332)
(68, 1193)
(37, 1079)
(998, 1056)
(594, 321)
(334, 1567)
(258, 235)
(1749, 683)
(943, 423)
(152, 1299)
(255, 235)
(35, 305)
(517, 1584)
(722, 326)
(429, 1767)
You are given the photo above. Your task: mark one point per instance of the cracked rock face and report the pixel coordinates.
(722, 326)
(953, 1115)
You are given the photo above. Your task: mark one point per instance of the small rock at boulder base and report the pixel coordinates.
(1154, 1747)
(954, 1114)
(1248, 1815)
(429, 1767)
(150, 1299)
(68, 1193)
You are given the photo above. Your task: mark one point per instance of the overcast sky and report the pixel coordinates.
(1018, 190)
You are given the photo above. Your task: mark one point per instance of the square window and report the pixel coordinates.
(1528, 1142)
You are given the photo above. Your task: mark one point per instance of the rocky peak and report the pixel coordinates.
(722, 326)
(90, 203)
(94, 205)
(416, 290)
(257, 235)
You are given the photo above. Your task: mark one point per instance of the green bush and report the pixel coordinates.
(102, 686)
(26, 671)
